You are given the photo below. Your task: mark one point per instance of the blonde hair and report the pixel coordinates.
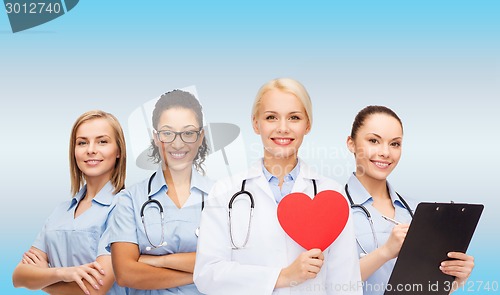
(119, 173)
(287, 85)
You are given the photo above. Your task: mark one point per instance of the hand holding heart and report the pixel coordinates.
(305, 267)
(313, 223)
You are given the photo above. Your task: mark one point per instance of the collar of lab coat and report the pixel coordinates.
(306, 174)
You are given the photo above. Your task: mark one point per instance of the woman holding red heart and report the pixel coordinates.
(252, 254)
(381, 216)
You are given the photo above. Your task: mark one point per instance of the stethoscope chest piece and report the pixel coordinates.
(150, 202)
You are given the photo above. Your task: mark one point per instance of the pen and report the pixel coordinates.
(391, 220)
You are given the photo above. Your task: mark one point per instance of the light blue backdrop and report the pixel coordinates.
(436, 63)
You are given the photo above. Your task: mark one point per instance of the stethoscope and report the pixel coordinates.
(162, 216)
(252, 206)
(369, 217)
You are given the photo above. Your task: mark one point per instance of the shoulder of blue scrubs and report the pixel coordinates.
(397, 202)
(105, 196)
(357, 191)
(65, 206)
(202, 183)
(138, 190)
(158, 181)
(77, 198)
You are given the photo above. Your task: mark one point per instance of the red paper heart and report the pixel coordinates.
(313, 223)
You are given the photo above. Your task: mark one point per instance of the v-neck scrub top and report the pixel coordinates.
(70, 241)
(377, 282)
(179, 224)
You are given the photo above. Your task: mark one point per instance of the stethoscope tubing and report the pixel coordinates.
(149, 201)
(369, 216)
(252, 207)
(230, 208)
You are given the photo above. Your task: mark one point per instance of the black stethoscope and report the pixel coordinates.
(160, 209)
(252, 206)
(369, 216)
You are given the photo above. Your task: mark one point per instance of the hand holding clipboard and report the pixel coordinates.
(436, 230)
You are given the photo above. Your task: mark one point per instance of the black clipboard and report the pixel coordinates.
(436, 229)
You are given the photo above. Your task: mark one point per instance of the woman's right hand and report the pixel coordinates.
(371, 262)
(305, 267)
(35, 257)
(393, 245)
(90, 272)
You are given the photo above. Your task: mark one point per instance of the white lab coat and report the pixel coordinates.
(254, 270)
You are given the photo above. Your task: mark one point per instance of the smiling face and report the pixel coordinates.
(96, 149)
(376, 146)
(281, 121)
(178, 155)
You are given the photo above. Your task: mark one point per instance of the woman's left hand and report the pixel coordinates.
(460, 266)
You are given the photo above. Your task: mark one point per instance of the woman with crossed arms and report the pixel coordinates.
(69, 255)
(155, 225)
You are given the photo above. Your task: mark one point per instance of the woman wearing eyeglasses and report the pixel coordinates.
(381, 216)
(155, 226)
(69, 255)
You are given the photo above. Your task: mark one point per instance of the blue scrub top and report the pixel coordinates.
(179, 224)
(376, 283)
(70, 241)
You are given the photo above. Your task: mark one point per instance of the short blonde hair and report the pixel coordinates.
(287, 85)
(119, 173)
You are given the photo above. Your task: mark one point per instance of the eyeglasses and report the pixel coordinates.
(188, 136)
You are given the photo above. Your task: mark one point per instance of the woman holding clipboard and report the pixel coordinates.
(381, 216)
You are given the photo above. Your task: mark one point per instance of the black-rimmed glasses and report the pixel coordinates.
(188, 136)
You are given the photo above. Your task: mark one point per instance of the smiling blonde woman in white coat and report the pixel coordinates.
(268, 261)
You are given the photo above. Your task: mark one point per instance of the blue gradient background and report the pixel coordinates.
(436, 63)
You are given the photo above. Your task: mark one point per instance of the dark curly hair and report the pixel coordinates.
(179, 99)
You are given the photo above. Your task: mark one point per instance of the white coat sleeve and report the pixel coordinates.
(215, 272)
(343, 264)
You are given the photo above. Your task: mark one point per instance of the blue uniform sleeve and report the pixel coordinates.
(40, 241)
(102, 248)
(122, 225)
